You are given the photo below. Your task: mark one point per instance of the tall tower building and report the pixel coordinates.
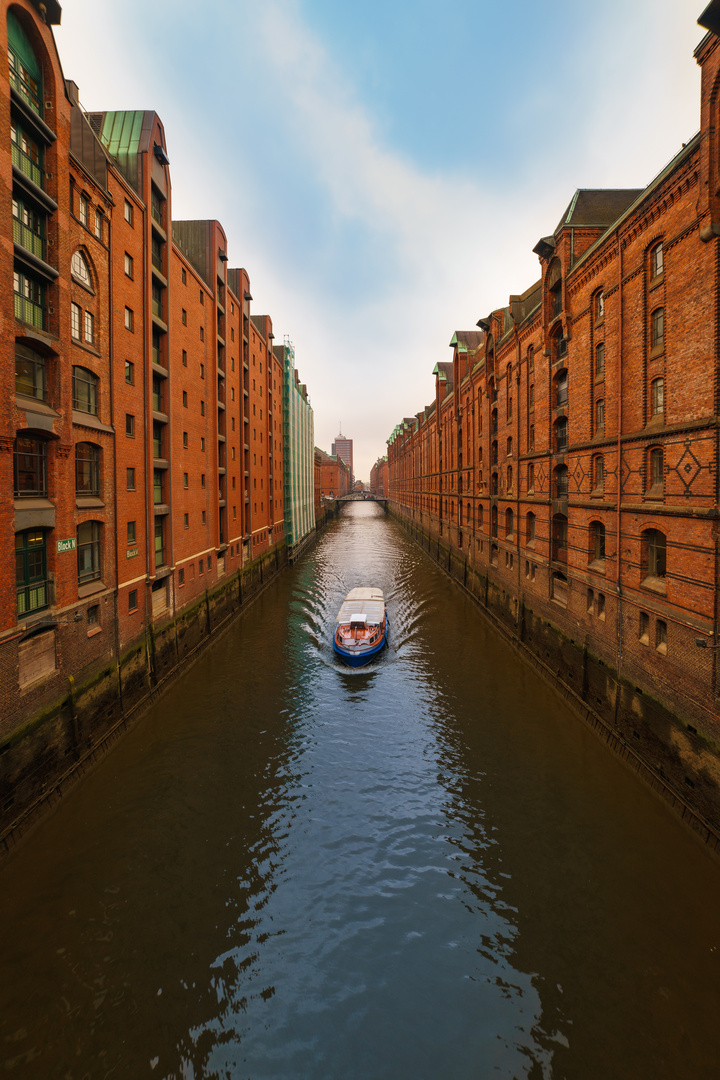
(343, 448)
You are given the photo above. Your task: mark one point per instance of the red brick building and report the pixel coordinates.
(141, 424)
(335, 475)
(379, 478)
(568, 464)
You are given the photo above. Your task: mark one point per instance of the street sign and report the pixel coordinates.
(67, 545)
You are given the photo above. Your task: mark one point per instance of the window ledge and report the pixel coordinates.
(657, 350)
(655, 584)
(84, 502)
(597, 565)
(32, 404)
(83, 419)
(95, 630)
(654, 282)
(90, 588)
(654, 494)
(597, 493)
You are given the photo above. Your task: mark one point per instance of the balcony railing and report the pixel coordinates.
(29, 312)
(27, 166)
(32, 597)
(25, 84)
(31, 241)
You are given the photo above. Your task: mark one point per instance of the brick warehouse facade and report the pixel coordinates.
(567, 469)
(142, 439)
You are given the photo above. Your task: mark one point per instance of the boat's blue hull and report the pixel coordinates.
(359, 659)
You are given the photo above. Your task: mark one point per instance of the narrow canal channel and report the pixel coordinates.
(426, 869)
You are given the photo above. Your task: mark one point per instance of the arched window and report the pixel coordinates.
(561, 435)
(657, 397)
(87, 469)
(561, 482)
(494, 452)
(509, 524)
(88, 550)
(654, 554)
(600, 360)
(29, 372)
(25, 69)
(656, 261)
(31, 571)
(598, 473)
(493, 422)
(559, 346)
(600, 416)
(494, 483)
(80, 270)
(531, 361)
(479, 517)
(530, 529)
(655, 471)
(561, 388)
(85, 391)
(597, 543)
(531, 479)
(657, 328)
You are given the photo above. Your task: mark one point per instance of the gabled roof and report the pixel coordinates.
(597, 206)
(467, 340)
(444, 372)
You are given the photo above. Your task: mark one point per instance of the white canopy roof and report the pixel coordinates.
(364, 601)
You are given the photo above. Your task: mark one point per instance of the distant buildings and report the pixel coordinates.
(299, 446)
(335, 475)
(343, 448)
(379, 478)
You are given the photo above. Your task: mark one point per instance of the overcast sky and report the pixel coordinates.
(383, 169)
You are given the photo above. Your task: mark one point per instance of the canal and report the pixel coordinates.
(425, 869)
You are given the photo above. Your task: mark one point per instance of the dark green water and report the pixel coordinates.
(425, 869)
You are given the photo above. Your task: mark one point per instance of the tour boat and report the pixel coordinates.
(361, 631)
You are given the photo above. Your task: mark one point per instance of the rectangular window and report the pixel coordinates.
(88, 551)
(132, 600)
(184, 399)
(186, 480)
(600, 360)
(658, 328)
(202, 408)
(184, 357)
(89, 327)
(181, 577)
(202, 333)
(643, 632)
(75, 321)
(128, 318)
(129, 373)
(202, 480)
(202, 444)
(184, 317)
(186, 520)
(130, 479)
(128, 212)
(184, 276)
(98, 224)
(599, 415)
(83, 210)
(130, 425)
(128, 265)
(203, 517)
(201, 566)
(202, 371)
(209, 562)
(185, 439)
(30, 462)
(130, 532)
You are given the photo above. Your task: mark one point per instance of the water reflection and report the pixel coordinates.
(421, 868)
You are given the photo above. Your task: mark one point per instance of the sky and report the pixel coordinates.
(384, 169)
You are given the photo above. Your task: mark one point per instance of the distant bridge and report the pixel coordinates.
(360, 496)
